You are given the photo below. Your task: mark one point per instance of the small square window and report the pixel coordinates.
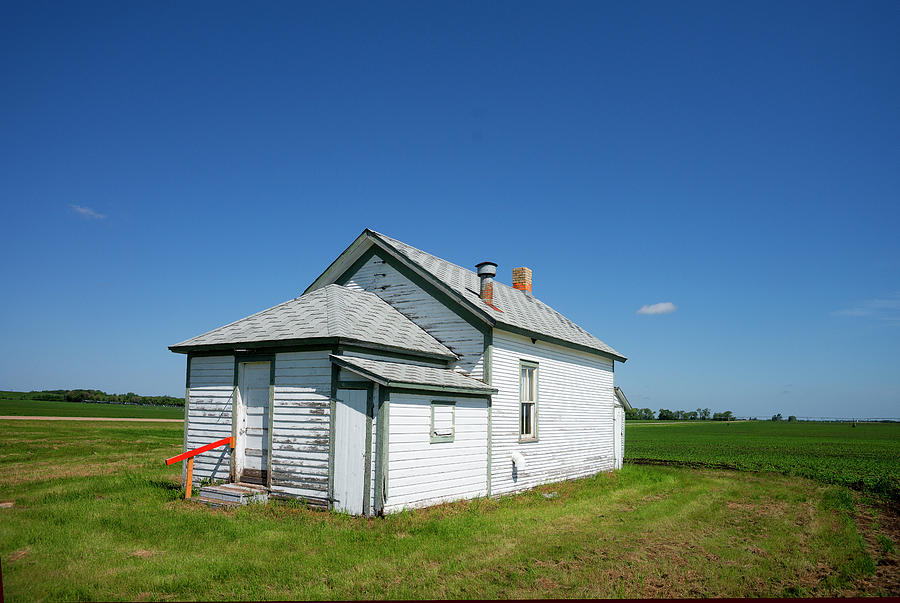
(443, 421)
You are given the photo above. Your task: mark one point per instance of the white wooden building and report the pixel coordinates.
(401, 380)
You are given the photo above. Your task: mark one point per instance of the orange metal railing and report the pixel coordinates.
(189, 456)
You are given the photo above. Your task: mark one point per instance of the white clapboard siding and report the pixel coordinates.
(210, 403)
(575, 414)
(422, 473)
(412, 301)
(301, 425)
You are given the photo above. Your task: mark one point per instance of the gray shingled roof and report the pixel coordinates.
(519, 309)
(395, 374)
(327, 313)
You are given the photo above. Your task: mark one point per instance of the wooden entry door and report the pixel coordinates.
(253, 423)
(350, 450)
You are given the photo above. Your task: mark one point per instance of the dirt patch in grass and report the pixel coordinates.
(17, 555)
(879, 526)
(645, 500)
(143, 554)
(757, 551)
(768, 508)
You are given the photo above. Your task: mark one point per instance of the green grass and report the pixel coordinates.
(49, 408)
(98, 516)
(862, 457)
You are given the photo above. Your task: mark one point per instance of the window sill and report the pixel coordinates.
(528, 440)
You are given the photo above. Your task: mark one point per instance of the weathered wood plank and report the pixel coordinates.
(209, 411)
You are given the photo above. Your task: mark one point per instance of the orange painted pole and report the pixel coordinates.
(196, 451)
(189, 482)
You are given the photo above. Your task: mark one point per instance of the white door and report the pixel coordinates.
(253, 423)
(619, 435)
(350, 450)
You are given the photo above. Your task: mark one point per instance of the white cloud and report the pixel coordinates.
(885, 309)
(660, 308)
(88, 212)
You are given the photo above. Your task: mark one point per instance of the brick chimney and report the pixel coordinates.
(486, 272)
(522, 279)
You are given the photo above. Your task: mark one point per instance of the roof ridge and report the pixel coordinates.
(470, 271)
(431, 254)
(518, 297)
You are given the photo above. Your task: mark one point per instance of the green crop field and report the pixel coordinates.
(865, 457)
(89, 512)
(50, 408)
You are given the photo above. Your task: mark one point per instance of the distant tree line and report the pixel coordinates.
(701, 414)
(95, 395)
(664, 414)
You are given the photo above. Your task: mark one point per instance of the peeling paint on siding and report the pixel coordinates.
(301, 424)
(209, 405)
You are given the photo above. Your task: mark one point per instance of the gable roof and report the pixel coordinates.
(409, 376)
(328, 314)
(516, 311)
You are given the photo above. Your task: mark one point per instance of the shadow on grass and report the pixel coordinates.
(170, 488)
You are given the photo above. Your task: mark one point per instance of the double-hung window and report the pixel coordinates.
(528, 398)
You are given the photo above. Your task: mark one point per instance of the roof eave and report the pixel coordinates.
(561, 342)
(620, 395)
(486, 390)
(308, 342)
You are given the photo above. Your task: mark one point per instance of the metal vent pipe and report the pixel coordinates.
(486, 272)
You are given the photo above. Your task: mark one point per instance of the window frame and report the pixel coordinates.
(439, 439)
(534, 420)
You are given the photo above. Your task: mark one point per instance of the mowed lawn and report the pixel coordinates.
(97, 515)
(864, 457)
(50, 408)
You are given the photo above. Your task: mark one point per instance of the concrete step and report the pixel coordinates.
(236, 494)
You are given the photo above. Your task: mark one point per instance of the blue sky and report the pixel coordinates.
(166, 168)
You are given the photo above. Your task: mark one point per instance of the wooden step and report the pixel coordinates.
(236, 494)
